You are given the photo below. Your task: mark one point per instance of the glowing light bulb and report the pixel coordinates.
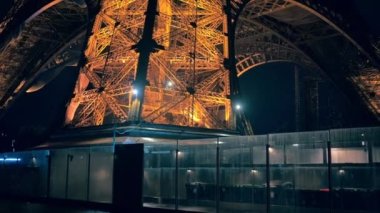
(135, 91)
(254, 171)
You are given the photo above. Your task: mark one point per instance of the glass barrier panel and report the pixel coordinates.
(159, 173)
(197, 175)
(58, 173)
(101, 174)
(298, 172)
(352, 173)
(78, 171)
(242, 174)
(24, 173)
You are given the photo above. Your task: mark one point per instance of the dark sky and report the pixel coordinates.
(368, 10)
(268, 97)
(4, 7)
(268, 94)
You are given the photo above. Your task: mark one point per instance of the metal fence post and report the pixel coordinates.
(329, 172)
(267, 174)
(217, 175)
(176, 177)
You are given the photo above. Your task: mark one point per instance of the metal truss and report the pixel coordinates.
(290, 38)
(38, 46)
(368, 83)
(257, 8)
(187, 84)
(8, 18)
(257, 45)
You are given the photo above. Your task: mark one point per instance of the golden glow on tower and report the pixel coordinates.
(193, 47)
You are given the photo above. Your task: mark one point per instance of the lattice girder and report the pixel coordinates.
(320, 23)
(37, 45)
(186, 80)
(257, 45)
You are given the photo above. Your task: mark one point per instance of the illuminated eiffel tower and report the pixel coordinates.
(174, 62)
(160, 62)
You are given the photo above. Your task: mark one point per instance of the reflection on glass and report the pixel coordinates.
(227, 174)
(197, 175)
(159, 188)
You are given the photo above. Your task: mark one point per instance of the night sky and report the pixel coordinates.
(368, 10)
(4, 7)
(267, 91)
(268, 97)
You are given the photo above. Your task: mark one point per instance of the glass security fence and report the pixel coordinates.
(354, 181)
(82, 174)
(298, 172)
(180, 174)
(197, 175)
(24, 173)
(159, 173)
(243, 174)
(323, 171)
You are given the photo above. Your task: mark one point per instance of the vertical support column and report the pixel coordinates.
(229, 59)
(329, 173)
(217, 176)
(48, 175)
(267, 161)
(284, 154)
(128, 176)
(370, 146)
(68, 157)
(145, 47)
(88, 175)
(176, 176)
(229, 26)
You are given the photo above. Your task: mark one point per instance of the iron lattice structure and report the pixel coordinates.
(184, 54)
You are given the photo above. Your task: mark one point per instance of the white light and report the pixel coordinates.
(148, 139)
(254, 171)
(238, 107)
(270, 149)
(135, 91)
(341, 172)
(189, 171)
(296, 144)
(10, 159)
(363, 143)
(180, 153)
(170, 84)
